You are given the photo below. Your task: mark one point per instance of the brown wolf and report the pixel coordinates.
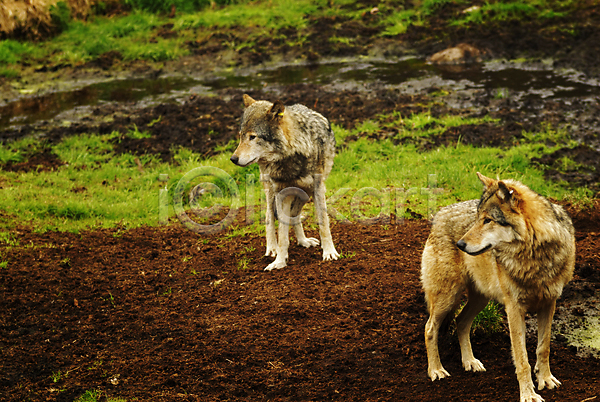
(513, 246)
(294, 148)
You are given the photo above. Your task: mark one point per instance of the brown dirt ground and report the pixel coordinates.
(164, 314)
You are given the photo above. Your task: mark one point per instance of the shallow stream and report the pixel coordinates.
(498, 79)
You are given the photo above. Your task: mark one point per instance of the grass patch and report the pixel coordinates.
(97, 188)
(136, 35)
(18, 151)
(97, 396)
(274, 15)
(399, 22)
(501, 11)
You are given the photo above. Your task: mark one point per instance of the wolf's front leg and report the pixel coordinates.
(516, 325)
(329, 251)
(542, 367)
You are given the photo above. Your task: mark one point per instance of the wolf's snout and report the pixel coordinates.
(461, 244)
(235, 159)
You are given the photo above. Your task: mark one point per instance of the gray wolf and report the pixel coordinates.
(294, 148)
(512, 245)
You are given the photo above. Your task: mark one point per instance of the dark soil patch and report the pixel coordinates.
(163, 314)
(42, 161)
(579, 165)
(569, 40)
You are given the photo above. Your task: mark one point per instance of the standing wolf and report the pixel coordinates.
(294, 148)
(513, 246)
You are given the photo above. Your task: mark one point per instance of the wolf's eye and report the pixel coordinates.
(252, 137)
(486, 221)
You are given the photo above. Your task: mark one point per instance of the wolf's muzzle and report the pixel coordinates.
(235, 159)
(461, 244)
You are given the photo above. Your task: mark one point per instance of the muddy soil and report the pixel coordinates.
(164, 314)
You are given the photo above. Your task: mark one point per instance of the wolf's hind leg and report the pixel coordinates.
(304, 241)
(542, 367)
(270, 222)
(440, 305)
(475, 304)
(435, 370)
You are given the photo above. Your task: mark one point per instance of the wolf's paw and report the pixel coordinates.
(438, 374)
(330, 255)
(309, 242)
(275, 265)
(549, 382)
(473, 365)
(531, 397)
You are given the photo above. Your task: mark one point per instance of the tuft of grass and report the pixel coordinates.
(136, 134)
(501, 11)
(97, 396)
(399, 22)
(89, 396)
(243, 263)
(58, 375)
(490, 320)
(18, 151)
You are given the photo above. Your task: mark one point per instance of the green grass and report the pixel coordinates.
(489, 321)
(135, 35)
(272, 15)
(97, 396)
(96, 188)
(515, 10)
(164, 6)
(399, 20)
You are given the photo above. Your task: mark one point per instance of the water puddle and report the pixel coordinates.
(29, 110)
(578, 323)
(587, 335)
(500, 79)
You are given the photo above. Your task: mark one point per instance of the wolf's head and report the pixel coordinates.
(500, 216)
(260, 132)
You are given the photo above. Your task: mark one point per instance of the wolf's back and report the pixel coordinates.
(453, 221)
(312, 123)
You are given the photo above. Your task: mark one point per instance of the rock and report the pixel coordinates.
(460, 54)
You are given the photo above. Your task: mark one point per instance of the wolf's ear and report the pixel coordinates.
(248, 100)
(505, 193)
(276, 111)
(487, 182)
